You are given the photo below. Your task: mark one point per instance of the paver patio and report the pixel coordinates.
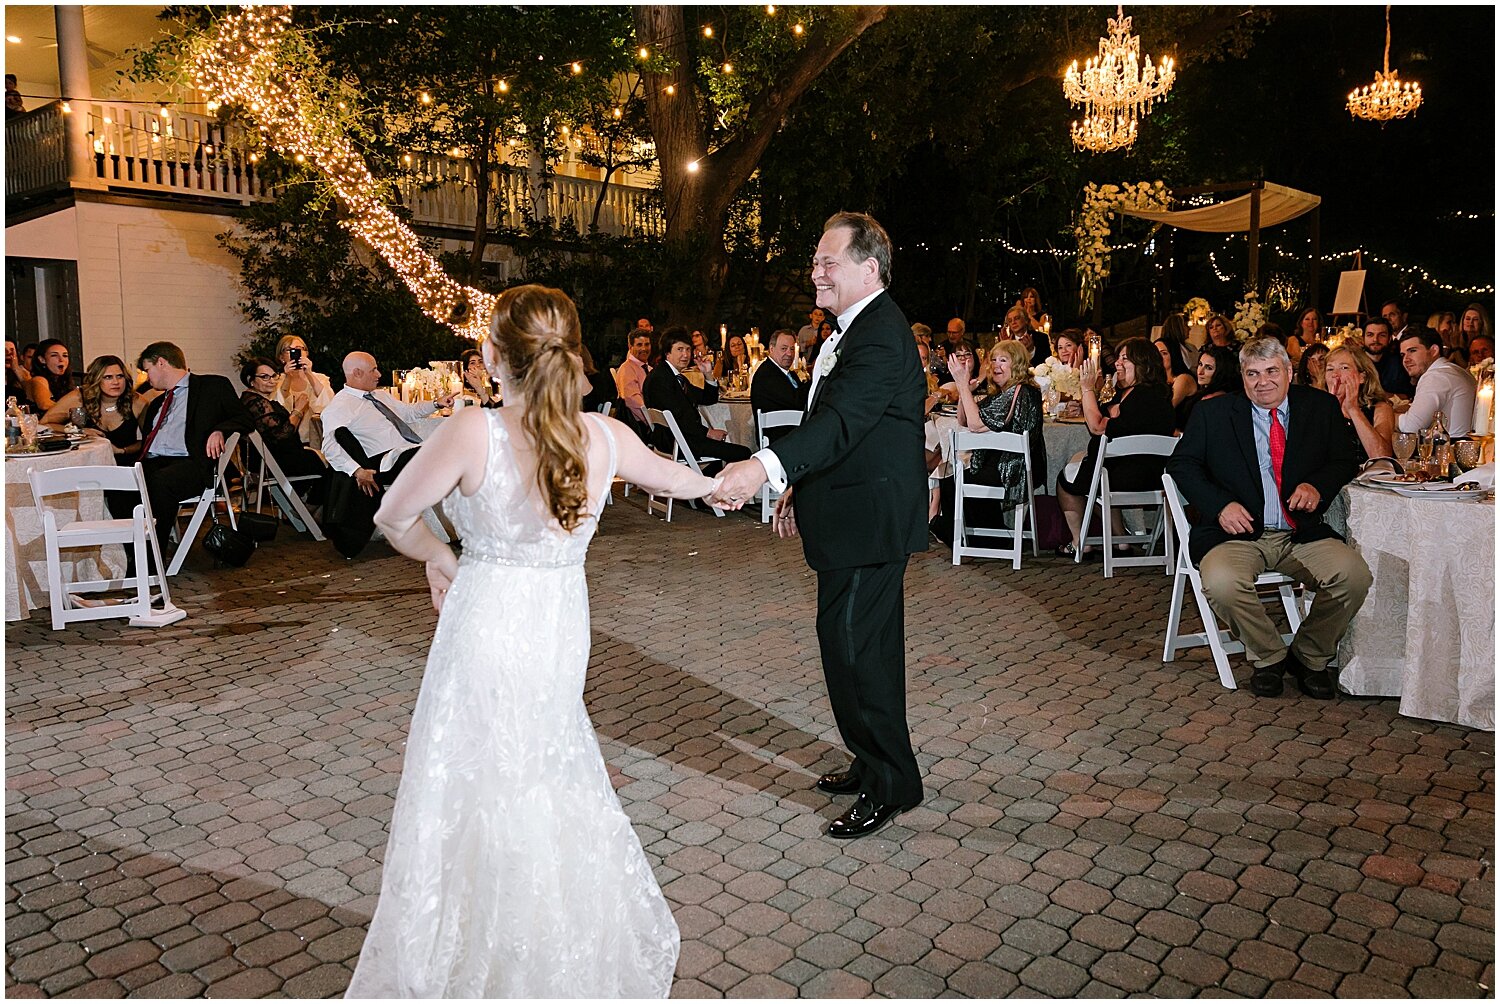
(202, 810)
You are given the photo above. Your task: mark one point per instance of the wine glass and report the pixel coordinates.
(1466, 452)
(1405, 444)
(78, 417)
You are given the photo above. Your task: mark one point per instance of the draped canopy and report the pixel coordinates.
(1277, 205)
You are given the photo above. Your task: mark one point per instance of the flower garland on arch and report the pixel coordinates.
(1092, 226)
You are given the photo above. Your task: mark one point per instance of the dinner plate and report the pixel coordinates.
(1428, 492)
(1384, 479)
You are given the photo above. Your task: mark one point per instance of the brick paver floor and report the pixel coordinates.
(202, 810)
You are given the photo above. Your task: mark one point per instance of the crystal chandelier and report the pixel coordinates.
(1115, 88)
(1386, 98)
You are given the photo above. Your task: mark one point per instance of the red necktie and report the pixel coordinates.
(1278, 453)
(161, 418)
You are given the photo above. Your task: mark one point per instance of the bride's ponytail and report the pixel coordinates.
(536, 331)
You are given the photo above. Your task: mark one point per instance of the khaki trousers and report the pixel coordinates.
(1332, 568)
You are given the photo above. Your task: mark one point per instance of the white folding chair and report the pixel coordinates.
(134, 533)
(203, 504)
(1011, 442)
(283, 495)
(765, 421)
(1271, 585)
(681, 453)
(607, 409)
(1107, 500)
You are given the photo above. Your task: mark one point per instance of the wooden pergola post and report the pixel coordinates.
(1255, 237)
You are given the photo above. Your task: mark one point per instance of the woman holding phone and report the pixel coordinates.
(299, 389)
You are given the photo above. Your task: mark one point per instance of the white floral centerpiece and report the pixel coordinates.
(1092, 227)
(1197, 310)
(1349, 334)
(1249, 315)
(428, 385)
(1059, 376)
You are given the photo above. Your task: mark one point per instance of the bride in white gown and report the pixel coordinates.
(511, 869)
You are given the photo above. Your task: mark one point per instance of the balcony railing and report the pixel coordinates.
(176, 154)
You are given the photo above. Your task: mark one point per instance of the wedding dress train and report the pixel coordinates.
(511, 869)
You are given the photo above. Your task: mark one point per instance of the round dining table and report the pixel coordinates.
(25, 549)
(1062, 439)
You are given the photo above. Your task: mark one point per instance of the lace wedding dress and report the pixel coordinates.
(511, 869)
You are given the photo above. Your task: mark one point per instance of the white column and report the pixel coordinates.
(73, 81)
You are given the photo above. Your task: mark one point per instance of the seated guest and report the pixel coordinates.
(1473, 323)
(1016, 406)
(477, 382)
(185, 430)
(298, 389)
(110, 406)
(1441, 386)
(1366, 406)
(668, 390)
(376, 420)
(17, 377)
(1310, 368)
(1399, 319)
(825, 332)
(51, 377)
(1221, 332)
(1218, 374)
(961, 355)
(601, 388)
(807, 336)
(1017, 328)
(1037, 317)
(922, 333)
(775, 387)
(630, 377)
(735, 360)
(1481, 347)
(701, 349)
(1265, 513)
(279, 429)
(1386, 357)
(1072, 347)
(933, 397)
(1445, 323)
(1142, 406)
(1174, 361)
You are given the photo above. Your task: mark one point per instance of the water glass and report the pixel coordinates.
(1405, 444)
(1467, 453)
(78, 417)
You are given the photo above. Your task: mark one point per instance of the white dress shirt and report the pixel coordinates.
(349, 410)
(321, 397)
(1446, 388)
(775, 473)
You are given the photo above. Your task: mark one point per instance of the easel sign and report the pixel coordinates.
(1350, 292)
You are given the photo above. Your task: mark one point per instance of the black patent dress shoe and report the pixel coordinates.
(1315, 683)
(844, 782)
(864, 817)
(1267, 681)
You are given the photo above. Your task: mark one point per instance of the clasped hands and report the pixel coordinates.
(1235, 518)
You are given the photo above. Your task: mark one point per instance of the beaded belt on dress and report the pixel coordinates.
(492, 558)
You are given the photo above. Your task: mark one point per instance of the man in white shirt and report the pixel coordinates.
(377, 420)
(1441, 386)
(630, 376)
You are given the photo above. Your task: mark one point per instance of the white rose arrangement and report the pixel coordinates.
(1092, 226)
(1060, 376)
(1249, 315)
(428, 385)
(1197, 310)
(1349, 334)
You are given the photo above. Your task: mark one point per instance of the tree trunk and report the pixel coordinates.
(698, 186)
(482, 155)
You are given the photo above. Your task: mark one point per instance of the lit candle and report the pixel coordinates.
(723, 336)
(1484, 406)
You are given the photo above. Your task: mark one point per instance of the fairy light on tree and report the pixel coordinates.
(254, 60)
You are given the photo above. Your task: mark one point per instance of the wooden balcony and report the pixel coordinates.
(182, 156)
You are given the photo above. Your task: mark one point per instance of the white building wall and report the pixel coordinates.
(145, 275)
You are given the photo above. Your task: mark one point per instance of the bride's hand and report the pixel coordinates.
(440, 575)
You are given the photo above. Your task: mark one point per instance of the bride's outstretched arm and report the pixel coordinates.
(639, 465)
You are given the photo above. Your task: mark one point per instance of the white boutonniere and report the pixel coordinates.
(827, 361)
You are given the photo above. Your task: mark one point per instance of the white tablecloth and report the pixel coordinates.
(1062, 439)
(25, 551)
(1426, 632)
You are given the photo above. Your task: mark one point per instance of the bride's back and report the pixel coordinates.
(507, 519)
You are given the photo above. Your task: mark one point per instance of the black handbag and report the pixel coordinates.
(259, 526)
(228, 545)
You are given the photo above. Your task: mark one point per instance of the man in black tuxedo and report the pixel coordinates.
(667, 389)
(775, 387)
(1261, 470)
(861, 505)
(185, 429)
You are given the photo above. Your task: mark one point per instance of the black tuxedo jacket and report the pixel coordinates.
(1216, 463)
(857, 459)
(662, 390)
(770, 390)
(212, 406)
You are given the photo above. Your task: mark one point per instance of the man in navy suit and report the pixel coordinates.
(775, 387)
(860, 480)
(1261, 470)
(185, 429)
(668, 389)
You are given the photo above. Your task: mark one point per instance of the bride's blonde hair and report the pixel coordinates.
(535, 332)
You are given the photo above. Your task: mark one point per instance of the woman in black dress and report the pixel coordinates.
(1353, 379)
(278, 428)
(1142, 406)
(110, 406)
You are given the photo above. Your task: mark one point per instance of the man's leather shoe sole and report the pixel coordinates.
(865, 817)
(1266, 682)
(844, 782)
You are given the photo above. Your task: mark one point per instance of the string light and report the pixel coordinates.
(253, 59)
(645, 53)
(728, 68)
(671, 89)
(708, 31)
(797, 28)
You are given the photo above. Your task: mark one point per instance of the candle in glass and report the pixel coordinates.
(1096, 349)
(1484, 405)
(723, 336)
